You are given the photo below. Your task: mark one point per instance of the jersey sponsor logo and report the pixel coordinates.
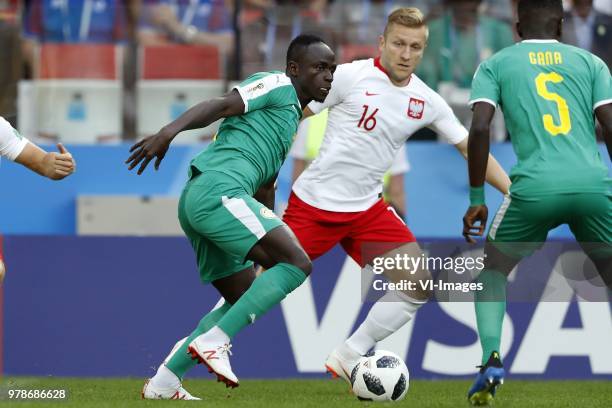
(267, 213)
(256, 87)
(416, 107)
(371, 94)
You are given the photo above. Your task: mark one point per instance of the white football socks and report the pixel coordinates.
(387, 316)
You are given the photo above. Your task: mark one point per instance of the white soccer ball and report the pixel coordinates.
(380, 376)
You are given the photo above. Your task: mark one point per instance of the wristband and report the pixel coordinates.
(477, 196)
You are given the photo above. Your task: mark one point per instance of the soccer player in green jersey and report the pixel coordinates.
(225, 208)
(548, 92)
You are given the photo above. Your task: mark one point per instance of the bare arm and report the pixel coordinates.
(199, 116)
(604, 116)
(478, 154)
(495, 174)
(55, 166)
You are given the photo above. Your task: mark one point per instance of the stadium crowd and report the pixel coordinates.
(235, 39)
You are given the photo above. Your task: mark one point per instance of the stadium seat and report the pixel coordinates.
(76, 97)
(181, 62)
(350, 52)
(78, 61)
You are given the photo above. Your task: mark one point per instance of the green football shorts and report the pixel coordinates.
(521, 226)
(223, 223)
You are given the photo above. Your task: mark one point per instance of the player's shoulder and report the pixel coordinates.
(583, 54)
(503, 55)
(418, 85)
(269, 79)
(356, 68)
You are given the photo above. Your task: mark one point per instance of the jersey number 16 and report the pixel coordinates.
(368, 121)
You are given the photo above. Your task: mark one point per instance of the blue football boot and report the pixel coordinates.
(490, 377)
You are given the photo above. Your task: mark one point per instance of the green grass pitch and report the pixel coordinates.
(116, 393)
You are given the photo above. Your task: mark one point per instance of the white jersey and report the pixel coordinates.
(11, 142)
(299, 150)
(369, 120)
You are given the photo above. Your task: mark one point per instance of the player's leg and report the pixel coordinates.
(591, 224)
(230, 275)
(387, 236)
(231, 288)
(518, 228)
(245, 228)
(317, 230)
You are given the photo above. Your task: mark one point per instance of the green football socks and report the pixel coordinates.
(267, 290)
(490, 304)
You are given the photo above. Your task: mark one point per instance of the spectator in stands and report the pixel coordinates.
(589, 29)
(72, 21)
(362, 21)
(188, 22)
(458, 41)
(266, 33)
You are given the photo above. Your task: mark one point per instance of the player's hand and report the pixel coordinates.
(58, 165)
(148, 148)
(2, 270)
(472, 216)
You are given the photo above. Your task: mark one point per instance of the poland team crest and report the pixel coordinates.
(416, 108)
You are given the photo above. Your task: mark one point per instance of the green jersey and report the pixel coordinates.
(252, 147)
(548, 92)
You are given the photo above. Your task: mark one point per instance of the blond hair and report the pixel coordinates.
(406, 16)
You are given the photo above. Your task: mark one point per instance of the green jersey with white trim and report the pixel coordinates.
(252, 147)
(547, 91)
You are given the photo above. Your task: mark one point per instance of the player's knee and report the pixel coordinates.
(301, 260)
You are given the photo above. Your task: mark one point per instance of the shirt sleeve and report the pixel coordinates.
(446, 123)
(298, 149)
(602, 84)
(11, 142)
(400, 163)
(485, 87)
(344, 78)
(268, 90)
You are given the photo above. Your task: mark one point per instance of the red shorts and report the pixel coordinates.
(319, 231)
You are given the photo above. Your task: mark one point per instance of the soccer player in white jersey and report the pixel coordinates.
(16, 148)
(375, 105)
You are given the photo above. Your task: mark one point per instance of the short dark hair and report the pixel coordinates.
(539, 10)
(300, 44)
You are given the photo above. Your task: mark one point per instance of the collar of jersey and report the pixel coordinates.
(540, 41)
(378, 65)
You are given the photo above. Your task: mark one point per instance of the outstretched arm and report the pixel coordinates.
(604, 116)
(478, 154)
(55, 166)
(199, 116)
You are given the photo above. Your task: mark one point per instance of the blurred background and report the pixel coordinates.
(99, 74)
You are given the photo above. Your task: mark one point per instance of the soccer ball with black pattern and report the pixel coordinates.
(380, 376)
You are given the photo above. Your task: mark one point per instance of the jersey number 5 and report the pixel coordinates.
(566, 124)
(368, 122)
